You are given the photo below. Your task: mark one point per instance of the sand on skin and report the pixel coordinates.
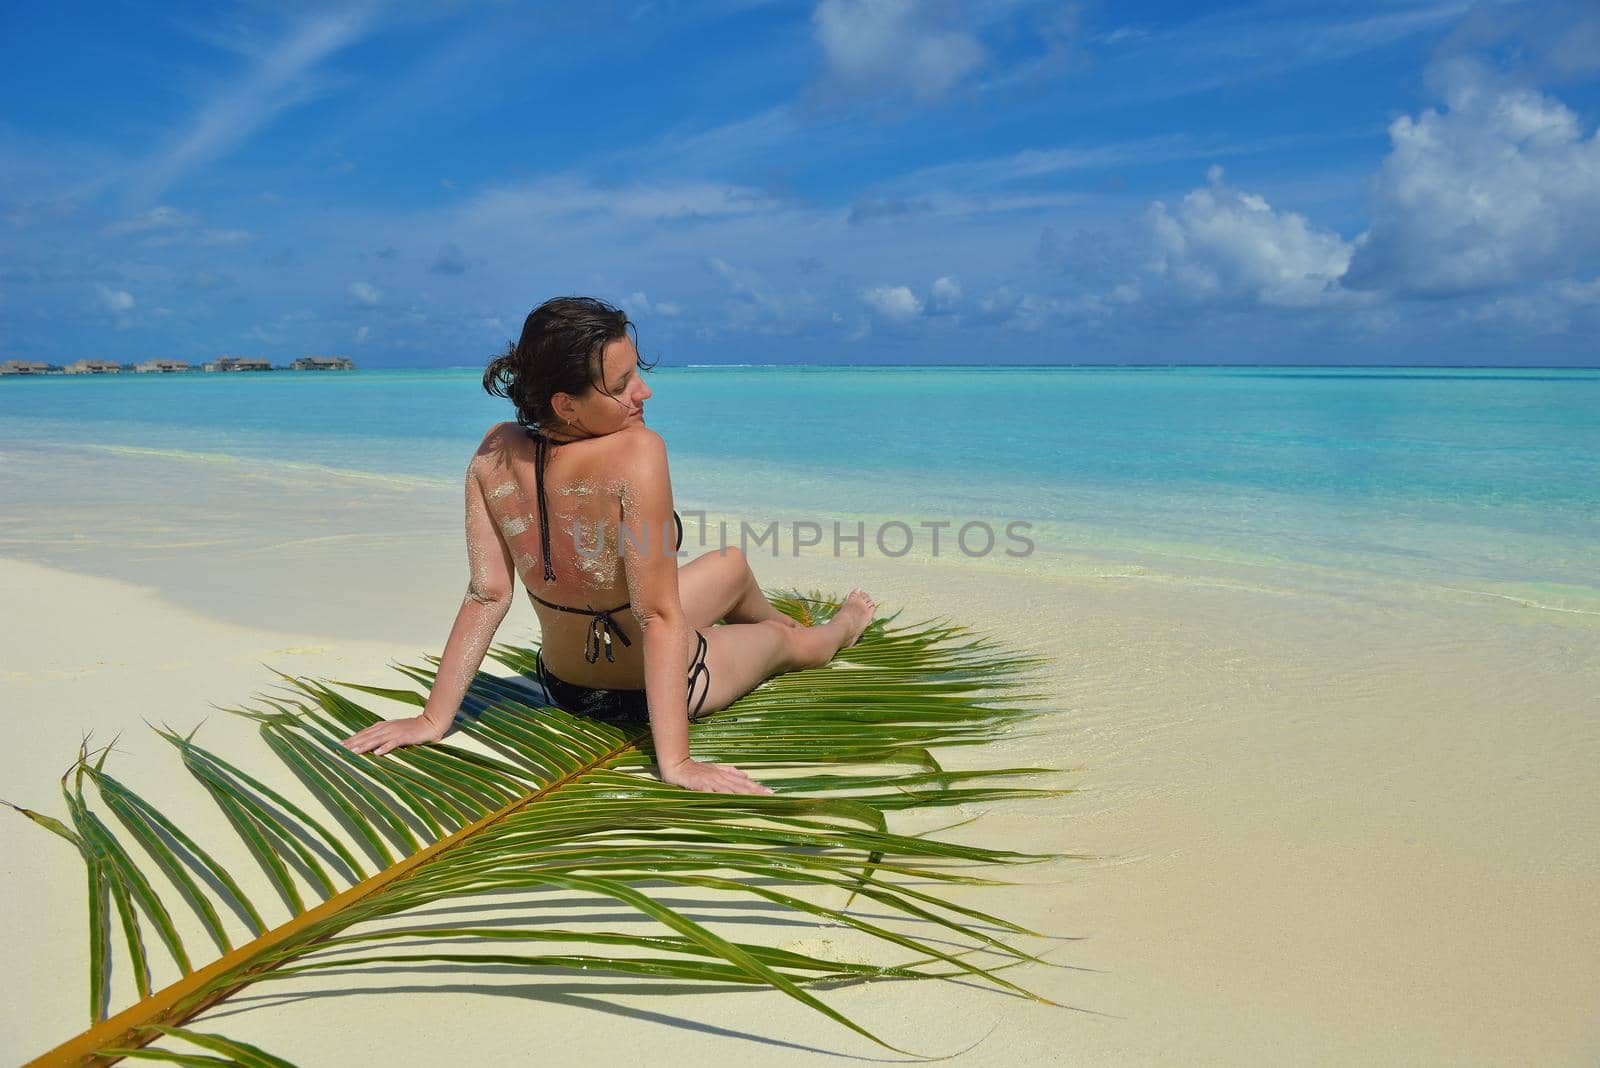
(1327, 828)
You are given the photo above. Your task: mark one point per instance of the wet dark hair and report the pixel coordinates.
(560, 351)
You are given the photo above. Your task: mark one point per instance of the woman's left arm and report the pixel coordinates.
(490, 589)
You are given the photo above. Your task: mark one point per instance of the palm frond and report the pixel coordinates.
(553, 807)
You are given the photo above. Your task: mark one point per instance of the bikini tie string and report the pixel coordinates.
(539, 447)
(601, 628)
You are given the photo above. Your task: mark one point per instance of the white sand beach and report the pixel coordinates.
(1327, 822)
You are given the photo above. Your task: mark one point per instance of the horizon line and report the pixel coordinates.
(734, 365)
(1308, 366)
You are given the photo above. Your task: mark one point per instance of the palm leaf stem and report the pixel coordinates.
(191, 995)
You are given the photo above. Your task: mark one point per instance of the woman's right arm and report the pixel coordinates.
(491, 584)
(652, 572)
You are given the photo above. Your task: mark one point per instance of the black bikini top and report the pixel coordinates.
(601, 625)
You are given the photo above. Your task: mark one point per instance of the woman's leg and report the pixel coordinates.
(741, 656)
(719, 585)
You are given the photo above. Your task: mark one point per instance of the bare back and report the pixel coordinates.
(583, 497)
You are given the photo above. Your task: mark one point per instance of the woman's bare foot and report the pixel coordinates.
(854, 615)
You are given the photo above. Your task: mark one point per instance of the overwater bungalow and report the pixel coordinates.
(25, 367)
(161, 366)
(322, 363)
(94, 367)
(238, 363)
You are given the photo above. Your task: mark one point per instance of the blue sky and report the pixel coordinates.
(839, 181)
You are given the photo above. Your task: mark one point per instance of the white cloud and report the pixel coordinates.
(893, 46)
(115, 300)
(1225, 245)
(362, 334)
(946, 293)
(1580, 292)
(1500, 189)
(1552, 41)
(638, 303)
(278, 80)
(896, 303)
(365, 293)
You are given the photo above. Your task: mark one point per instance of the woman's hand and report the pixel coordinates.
(392, 734)
(711, 778)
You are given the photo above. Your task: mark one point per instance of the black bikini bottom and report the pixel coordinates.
(622, 708)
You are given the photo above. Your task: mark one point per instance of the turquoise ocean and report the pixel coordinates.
(1482, 479)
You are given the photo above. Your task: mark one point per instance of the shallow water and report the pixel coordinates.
(1480, 479)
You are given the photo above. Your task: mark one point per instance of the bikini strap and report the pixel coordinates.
(601, 628)
(540, 443)
(699, 674)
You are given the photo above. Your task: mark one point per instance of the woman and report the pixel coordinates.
(575, 498)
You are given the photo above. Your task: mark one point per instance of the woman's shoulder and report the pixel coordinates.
(629, 446)
(638, 436)
(497, 442)
(501, 435)
(503, 430)
(638, 446)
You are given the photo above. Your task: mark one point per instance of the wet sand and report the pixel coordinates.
(1327, 821)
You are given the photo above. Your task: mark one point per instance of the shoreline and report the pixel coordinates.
(184, 522)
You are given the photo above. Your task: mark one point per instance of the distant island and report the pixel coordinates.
(165, 366)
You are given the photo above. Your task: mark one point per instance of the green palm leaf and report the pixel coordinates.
(556, 809)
